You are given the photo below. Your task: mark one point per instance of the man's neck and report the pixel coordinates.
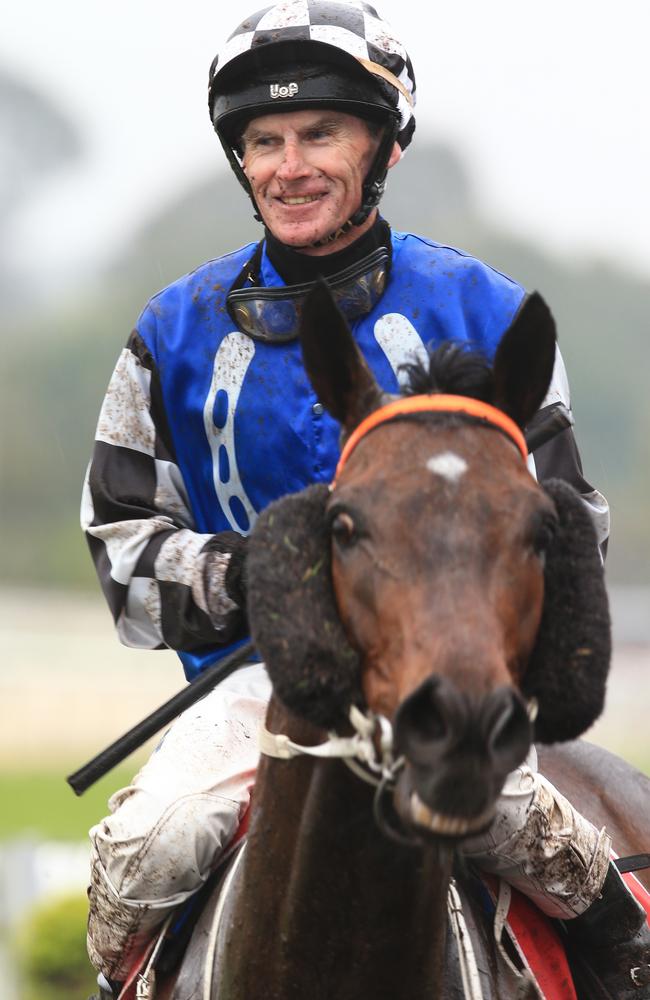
(295, 267)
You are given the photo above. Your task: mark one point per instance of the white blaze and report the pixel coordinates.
(448, 465)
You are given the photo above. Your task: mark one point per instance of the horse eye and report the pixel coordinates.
(343, 528)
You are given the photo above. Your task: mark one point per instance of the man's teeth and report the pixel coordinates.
(302, 199)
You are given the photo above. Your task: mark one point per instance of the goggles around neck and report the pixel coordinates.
(274, 314)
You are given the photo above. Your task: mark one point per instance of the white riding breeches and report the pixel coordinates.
(167, 830)
(541, 845)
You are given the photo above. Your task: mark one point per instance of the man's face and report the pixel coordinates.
(306, 170)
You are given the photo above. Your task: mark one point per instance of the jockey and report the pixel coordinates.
(209, 417)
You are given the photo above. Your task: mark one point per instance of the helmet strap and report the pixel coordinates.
(375, 182)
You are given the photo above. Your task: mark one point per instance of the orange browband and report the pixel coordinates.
(432, 404)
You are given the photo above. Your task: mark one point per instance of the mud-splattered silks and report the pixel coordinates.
(202, 427)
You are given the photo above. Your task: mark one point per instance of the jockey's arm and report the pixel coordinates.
(167, 585)
(559, 457)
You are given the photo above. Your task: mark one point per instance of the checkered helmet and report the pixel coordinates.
(300, 54)
(347, 35)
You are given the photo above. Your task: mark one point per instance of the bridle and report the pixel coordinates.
(369, 752)
(439, 403)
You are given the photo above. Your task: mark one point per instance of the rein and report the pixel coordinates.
(441, 403)
(374, 764)
(368, 754)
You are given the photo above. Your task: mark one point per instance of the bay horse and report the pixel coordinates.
(423, 608)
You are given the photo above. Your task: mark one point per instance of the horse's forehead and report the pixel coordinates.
(434, 456)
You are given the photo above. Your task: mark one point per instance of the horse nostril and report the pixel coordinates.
(506, 728)
(427, 719)
(460, 747)
(438, 720)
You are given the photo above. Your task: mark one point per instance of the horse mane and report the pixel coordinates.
(450, 368)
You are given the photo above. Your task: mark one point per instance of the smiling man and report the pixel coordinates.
(209, 417)
(306, 170)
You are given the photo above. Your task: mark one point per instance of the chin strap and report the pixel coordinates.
(375, 182)
(345, 228)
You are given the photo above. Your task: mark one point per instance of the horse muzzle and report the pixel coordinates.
(458, 751)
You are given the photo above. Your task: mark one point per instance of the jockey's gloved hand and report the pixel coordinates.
(235, 577)
(236, 573)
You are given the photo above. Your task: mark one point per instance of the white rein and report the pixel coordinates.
(371, 760)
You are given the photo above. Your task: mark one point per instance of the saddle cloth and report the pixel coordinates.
(540, 945)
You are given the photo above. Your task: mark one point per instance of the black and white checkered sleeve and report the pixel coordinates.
(559, 458)
(164, 582)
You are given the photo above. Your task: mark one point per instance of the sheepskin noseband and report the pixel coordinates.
(292, 612)
(568, 669)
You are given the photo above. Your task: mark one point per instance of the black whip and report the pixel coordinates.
(106, 759)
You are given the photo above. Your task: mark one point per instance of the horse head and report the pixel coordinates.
(436, 583)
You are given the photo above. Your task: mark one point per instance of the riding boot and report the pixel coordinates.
(610, 944)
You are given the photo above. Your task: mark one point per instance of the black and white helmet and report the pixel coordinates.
(301, 54)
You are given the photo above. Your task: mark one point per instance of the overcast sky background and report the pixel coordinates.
(546, 102)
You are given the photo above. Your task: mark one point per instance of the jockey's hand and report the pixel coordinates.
(236, 572)
(235, 576)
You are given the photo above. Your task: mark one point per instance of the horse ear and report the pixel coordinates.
(336, 368)
(567, 672)
(523, 364)
(292, 611)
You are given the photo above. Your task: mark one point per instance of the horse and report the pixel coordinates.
(426, 617)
